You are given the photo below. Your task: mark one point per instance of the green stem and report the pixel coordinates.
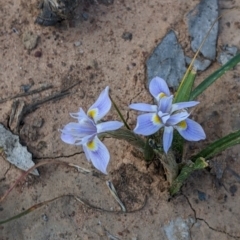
(129, 136)
(119, 113)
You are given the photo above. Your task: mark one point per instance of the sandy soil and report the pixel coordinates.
(83, 57)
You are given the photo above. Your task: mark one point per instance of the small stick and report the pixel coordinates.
(115, 195)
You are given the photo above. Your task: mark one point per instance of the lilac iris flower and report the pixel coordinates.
(85, 132)
(167, 115)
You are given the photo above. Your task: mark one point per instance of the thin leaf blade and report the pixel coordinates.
(214, 76)
(220, 145)
(185, 88)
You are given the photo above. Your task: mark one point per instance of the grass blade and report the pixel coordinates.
(185, 88)
(218, 146)
(214, 76)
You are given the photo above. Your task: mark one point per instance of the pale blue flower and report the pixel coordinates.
(167, 115)
(85, 132)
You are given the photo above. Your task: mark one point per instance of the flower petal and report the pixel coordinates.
(165, 104)
(97, 152)
(88, 138)
(82, 129)
(164, 116)
(148, 124)
(101, 107)
(68, 138)
(79, 115)
(108, 126)
(158, 88)
(144, 107)
(190, 130)
(181, 105)
(167, 138)
(73, 133)
(177, 117)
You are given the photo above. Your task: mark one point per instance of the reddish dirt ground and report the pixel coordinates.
(81, 58)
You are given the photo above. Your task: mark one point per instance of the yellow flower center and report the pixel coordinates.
(182, 124)
(91, 145)
(161, 95)
(92, 113)
(156, 119)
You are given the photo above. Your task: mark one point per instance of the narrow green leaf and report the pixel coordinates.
(186, 171)
(119, 113)
(214, 76)
(185, 88)
(129, 136)
(219, 146)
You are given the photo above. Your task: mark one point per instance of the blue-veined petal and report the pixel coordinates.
(165, 104)
(181, 105)
(79, 115)
(148, 124)
(101, 107)
(88, 138)
(81, 129)
(72, 133)
(167, 138)
(97, 152)
(68, 138)
(158, 88)
(144, 107)
(177, 117)
(108, 126)
(164, 116)
(190, 130)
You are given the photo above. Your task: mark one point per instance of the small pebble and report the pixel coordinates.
(202, 196)
(38, 54)
(45, 217)
(77, 44)
(81, 51)
(29, 40)
(127, 36)
(26, 87)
